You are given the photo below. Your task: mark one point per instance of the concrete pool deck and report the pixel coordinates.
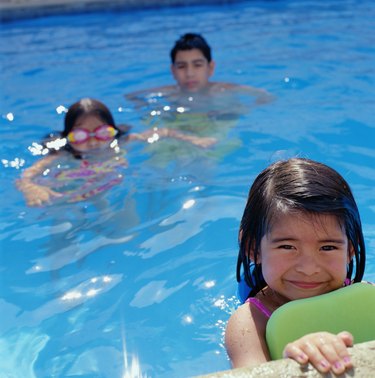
(363, 357)
(18, 9)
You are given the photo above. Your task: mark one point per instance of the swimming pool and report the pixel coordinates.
(152, 275)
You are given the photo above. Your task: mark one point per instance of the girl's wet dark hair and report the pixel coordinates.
(296, 185)
(85, 107)
(190, 41)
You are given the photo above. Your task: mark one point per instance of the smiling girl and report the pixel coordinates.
(300, 237)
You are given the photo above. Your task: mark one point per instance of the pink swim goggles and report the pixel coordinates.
(102, 133)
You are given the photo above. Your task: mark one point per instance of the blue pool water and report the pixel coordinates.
(150, 276)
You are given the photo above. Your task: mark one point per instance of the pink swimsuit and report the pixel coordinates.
(260, 306)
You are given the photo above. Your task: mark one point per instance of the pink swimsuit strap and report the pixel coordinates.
(260, 306)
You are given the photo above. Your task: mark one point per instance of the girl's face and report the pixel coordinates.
(305, 255)
(96, 137)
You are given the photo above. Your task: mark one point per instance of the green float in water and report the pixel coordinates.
(351, 309)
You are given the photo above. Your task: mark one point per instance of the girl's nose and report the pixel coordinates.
(92, 142)
(307, 264)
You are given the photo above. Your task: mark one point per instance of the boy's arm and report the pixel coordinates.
(193, 139)
(261, 95)
(35, 194)
(154, 135)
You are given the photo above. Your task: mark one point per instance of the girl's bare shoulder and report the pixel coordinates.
(244, 337)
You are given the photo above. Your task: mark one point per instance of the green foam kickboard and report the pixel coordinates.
(351, 309)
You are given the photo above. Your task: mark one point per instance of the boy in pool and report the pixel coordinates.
(92, 138)
(192, 67)
(301, 236)
(196, 105)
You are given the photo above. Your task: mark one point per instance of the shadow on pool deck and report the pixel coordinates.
(19, 9)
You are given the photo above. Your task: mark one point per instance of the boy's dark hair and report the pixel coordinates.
(296, 185)
(190, 41)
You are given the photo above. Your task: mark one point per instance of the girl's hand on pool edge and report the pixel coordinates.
(325, 351)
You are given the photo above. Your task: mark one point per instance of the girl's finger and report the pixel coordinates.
(347, 338)
(315, 356)
(334, 351)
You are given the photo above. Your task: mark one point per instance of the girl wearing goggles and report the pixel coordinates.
(89, 134)
(102, 133)
(88, 127)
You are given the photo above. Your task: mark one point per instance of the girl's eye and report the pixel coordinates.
(285, 246)
(328, 248)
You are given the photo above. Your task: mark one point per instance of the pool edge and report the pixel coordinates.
(11, 10)
(363, 357)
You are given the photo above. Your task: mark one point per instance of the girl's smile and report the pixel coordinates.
(306, 285)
